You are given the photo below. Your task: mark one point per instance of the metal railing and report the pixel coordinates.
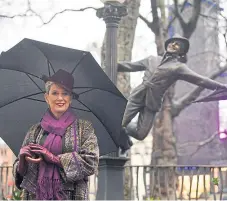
(6, 181)
(177, 182)
(156, 182)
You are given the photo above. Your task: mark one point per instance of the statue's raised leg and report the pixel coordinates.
(140, 129)
(136, 102)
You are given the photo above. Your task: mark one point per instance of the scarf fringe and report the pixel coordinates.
(48, 189)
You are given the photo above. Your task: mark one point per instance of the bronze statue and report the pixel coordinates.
(160, 73)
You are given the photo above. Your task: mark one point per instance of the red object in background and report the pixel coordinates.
(11, 183)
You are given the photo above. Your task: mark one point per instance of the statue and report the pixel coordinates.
(160, 73)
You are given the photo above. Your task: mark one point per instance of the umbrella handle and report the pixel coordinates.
(34, 160)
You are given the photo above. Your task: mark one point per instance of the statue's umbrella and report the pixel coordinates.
(217, 95)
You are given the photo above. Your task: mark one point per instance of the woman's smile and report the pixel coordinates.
(60, 104)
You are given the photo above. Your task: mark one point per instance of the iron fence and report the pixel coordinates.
(156, 182)
(177, 182)
(6, 181)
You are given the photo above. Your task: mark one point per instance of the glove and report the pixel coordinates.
(45, 153)
(25, 151)
(22, 165)
(124, 142)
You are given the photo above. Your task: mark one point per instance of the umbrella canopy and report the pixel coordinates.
(22, 101)
(217, 95)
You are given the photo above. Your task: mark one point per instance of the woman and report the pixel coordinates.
(67, 146)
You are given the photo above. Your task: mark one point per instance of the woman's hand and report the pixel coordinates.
(45, 153)
(25, 151)
(22, 165)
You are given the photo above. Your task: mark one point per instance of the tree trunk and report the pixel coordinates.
(126, 34)
(164, 152)
(164, 143)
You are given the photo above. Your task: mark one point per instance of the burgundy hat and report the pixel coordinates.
(62, 78)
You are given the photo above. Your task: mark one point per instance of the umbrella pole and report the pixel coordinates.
(111, 164)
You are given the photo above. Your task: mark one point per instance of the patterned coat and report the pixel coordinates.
(77, 165)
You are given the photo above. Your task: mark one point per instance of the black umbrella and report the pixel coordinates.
(22, 103)
(217, 95)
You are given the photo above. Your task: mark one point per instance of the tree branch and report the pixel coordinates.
(178, 15)
(147, 22)
(191, 25)
(154, 25)
(30, 11)
(186, 100)
(225, 33)
(68, 10)
(208, 17)
(198, 145)
(206, 52)
(196, 12)
(174, 18)
(188, 28)
(156, 20)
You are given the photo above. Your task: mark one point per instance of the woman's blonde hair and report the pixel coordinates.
(48, 85)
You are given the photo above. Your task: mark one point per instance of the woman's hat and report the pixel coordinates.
(62, 78)
(177, 37)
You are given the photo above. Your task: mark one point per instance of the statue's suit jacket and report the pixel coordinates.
(158, 78)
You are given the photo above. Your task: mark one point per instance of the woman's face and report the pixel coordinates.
(58, 100)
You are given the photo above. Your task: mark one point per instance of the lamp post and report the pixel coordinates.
(111, 167)
(111, 13)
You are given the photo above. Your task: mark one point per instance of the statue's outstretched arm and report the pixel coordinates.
(141, 65)
(131, 67)
(186, 74)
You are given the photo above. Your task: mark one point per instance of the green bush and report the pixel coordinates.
(215, 181)
(16, 195)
